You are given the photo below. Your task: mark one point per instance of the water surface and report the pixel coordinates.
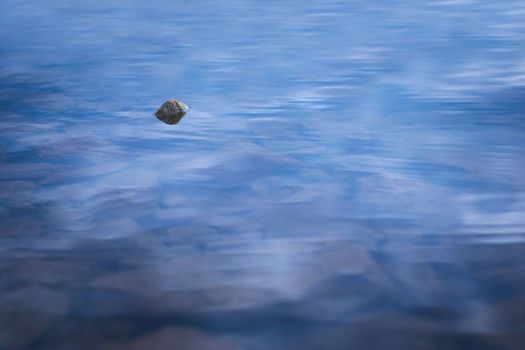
(350, 175)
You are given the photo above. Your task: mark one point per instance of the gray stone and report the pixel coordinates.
(172, 111)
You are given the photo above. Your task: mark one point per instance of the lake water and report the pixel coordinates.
(350, 175)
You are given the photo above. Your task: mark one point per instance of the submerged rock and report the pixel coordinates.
(171, 111)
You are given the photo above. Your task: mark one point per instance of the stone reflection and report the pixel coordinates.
(171, 119)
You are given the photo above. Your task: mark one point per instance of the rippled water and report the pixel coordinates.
(350, 175)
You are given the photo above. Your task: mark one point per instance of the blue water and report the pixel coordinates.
(350, 175)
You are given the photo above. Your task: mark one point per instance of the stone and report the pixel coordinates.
(172, 111)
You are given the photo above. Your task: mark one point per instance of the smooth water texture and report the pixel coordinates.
(350, 175)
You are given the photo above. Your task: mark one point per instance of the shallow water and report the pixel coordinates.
(350, 175)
